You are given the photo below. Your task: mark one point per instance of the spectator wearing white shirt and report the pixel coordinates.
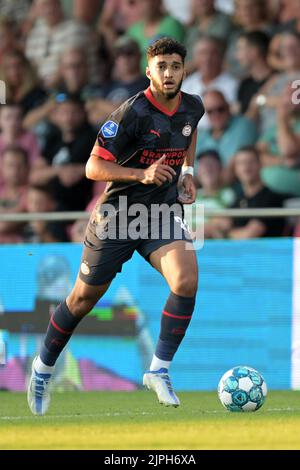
(51, 35)
(210, 74)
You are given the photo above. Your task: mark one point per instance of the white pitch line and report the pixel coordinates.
(143, 413)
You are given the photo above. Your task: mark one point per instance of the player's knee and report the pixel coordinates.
(186, 285)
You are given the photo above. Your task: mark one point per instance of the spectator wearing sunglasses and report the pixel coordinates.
(210, 73)
(227, 132)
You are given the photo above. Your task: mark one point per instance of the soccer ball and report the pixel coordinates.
(242, 389)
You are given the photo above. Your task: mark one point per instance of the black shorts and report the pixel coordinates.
(103, 256)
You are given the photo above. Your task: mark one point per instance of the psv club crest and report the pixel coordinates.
(187, 130)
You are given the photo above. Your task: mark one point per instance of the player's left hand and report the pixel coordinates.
(189, 190)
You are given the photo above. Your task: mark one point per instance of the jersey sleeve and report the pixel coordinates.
(116, 133)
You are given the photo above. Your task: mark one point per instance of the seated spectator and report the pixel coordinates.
(274, 57)
(253, 195)
(65, 155)
(85, 12)
(293, 24)
(41, 199)
(155, 22)
(73, 71)
(212, 193)
(51, 35)
(16, 11)
(128, 78)
(249, 15)
(210, 74)
(279, 147)
(13, 191)
(72, 78)
(263, 106)
(227, 133)
(286, 11)
(251, 53)
(208, 20)
(117, 16)
(73, 68)
(7, 36)
(21, 81)
(103, 101)
(252, 15)
(12, 133)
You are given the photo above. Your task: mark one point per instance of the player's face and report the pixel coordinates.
(166, 73)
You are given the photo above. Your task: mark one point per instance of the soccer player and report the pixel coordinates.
(141, 151)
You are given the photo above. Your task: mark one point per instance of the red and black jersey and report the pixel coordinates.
(141, 131)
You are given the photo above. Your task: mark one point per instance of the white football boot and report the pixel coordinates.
(159, 381)
(38, 395)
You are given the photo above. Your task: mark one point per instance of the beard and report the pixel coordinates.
(169, 95)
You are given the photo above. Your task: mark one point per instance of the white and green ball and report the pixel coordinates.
(242, 389)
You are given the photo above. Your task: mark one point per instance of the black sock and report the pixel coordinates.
(60, 329)
(174, 323)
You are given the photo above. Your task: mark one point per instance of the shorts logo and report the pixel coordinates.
(109, 129)
(187, 130)
(84, 268)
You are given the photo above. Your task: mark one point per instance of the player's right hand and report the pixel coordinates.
(158, 173)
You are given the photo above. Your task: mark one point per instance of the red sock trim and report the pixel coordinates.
(179, 317)
(64, 332)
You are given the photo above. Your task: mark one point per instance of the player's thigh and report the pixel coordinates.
(178, 265)
(103, 258)
(83, 297)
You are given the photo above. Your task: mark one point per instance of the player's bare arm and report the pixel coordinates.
(98, 169)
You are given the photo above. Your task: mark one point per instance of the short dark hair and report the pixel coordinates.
(164, 46)
(258, 39)
(211, 153)
(249, 149)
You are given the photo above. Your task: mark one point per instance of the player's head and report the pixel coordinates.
(165, 67)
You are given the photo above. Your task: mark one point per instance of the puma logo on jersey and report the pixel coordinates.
(155, 132)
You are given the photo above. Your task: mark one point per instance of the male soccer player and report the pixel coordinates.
(141, 150)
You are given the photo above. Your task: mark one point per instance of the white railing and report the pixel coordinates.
(70, 216)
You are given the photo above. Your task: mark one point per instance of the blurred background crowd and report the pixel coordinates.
(68, 64)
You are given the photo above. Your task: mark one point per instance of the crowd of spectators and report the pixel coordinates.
(67, 64)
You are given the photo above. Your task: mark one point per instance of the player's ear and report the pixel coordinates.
(148, 73)
(184, 74)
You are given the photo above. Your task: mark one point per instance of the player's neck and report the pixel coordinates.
(169, 104)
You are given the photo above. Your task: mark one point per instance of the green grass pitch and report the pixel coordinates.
(135, 420)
